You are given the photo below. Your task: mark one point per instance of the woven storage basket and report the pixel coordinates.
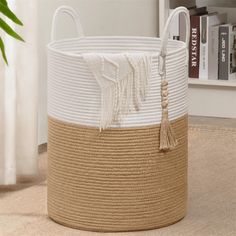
(123, 178)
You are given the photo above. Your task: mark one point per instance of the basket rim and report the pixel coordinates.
(50, 46)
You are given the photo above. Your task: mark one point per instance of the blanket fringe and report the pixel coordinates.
(126, 94)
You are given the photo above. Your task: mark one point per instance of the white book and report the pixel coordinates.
(213, 64)
(206, 22)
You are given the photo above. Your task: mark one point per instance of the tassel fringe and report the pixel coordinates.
(126, 94)
(167, 137)
(168, 140)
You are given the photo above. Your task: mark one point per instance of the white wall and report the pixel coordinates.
(98, 17)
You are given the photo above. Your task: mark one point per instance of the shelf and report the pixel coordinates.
(210, 98)
(220, 83)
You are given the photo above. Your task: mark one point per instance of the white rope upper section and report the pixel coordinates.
(123, 81)
(74, 95)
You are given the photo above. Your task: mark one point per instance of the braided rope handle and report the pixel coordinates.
(167, 137)
(164, 38)
(70, 12)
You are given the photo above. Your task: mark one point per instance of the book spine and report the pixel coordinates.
(232, 43)
(223, 53)
(213, 53)
(203, 61)
(194, 47)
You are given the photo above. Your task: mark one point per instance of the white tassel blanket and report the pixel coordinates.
(123, 80)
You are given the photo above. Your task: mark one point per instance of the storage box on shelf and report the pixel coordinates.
(215, 98)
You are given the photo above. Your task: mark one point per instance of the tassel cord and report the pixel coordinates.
(168, 139)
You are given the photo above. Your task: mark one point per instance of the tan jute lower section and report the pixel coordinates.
(116, 180)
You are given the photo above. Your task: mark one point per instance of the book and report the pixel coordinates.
(227, 52)
(194, 47)
(213, 53)
(207, 21)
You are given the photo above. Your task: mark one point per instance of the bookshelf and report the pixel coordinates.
(212, 82)
(212, 98)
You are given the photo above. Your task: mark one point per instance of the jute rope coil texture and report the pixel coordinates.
(117, 180)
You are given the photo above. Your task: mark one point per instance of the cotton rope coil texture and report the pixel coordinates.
(116, 180)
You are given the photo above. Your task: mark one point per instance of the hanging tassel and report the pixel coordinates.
(167, 137)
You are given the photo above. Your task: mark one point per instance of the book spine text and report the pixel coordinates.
(194, 47)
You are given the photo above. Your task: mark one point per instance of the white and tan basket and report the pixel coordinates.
(133, 175)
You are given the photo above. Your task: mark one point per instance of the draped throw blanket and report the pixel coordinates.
(123, 80)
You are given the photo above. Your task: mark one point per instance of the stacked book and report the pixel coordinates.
(212, 49)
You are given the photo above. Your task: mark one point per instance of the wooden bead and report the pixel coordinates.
(164, 104)
(164, 83)
(165, 93)
(164, 99)
(164, 88)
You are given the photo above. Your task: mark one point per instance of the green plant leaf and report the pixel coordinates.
(4, 9)
(9, 30)
(4, 2)
(2, 47)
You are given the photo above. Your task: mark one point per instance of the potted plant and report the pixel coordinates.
(5, 10)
